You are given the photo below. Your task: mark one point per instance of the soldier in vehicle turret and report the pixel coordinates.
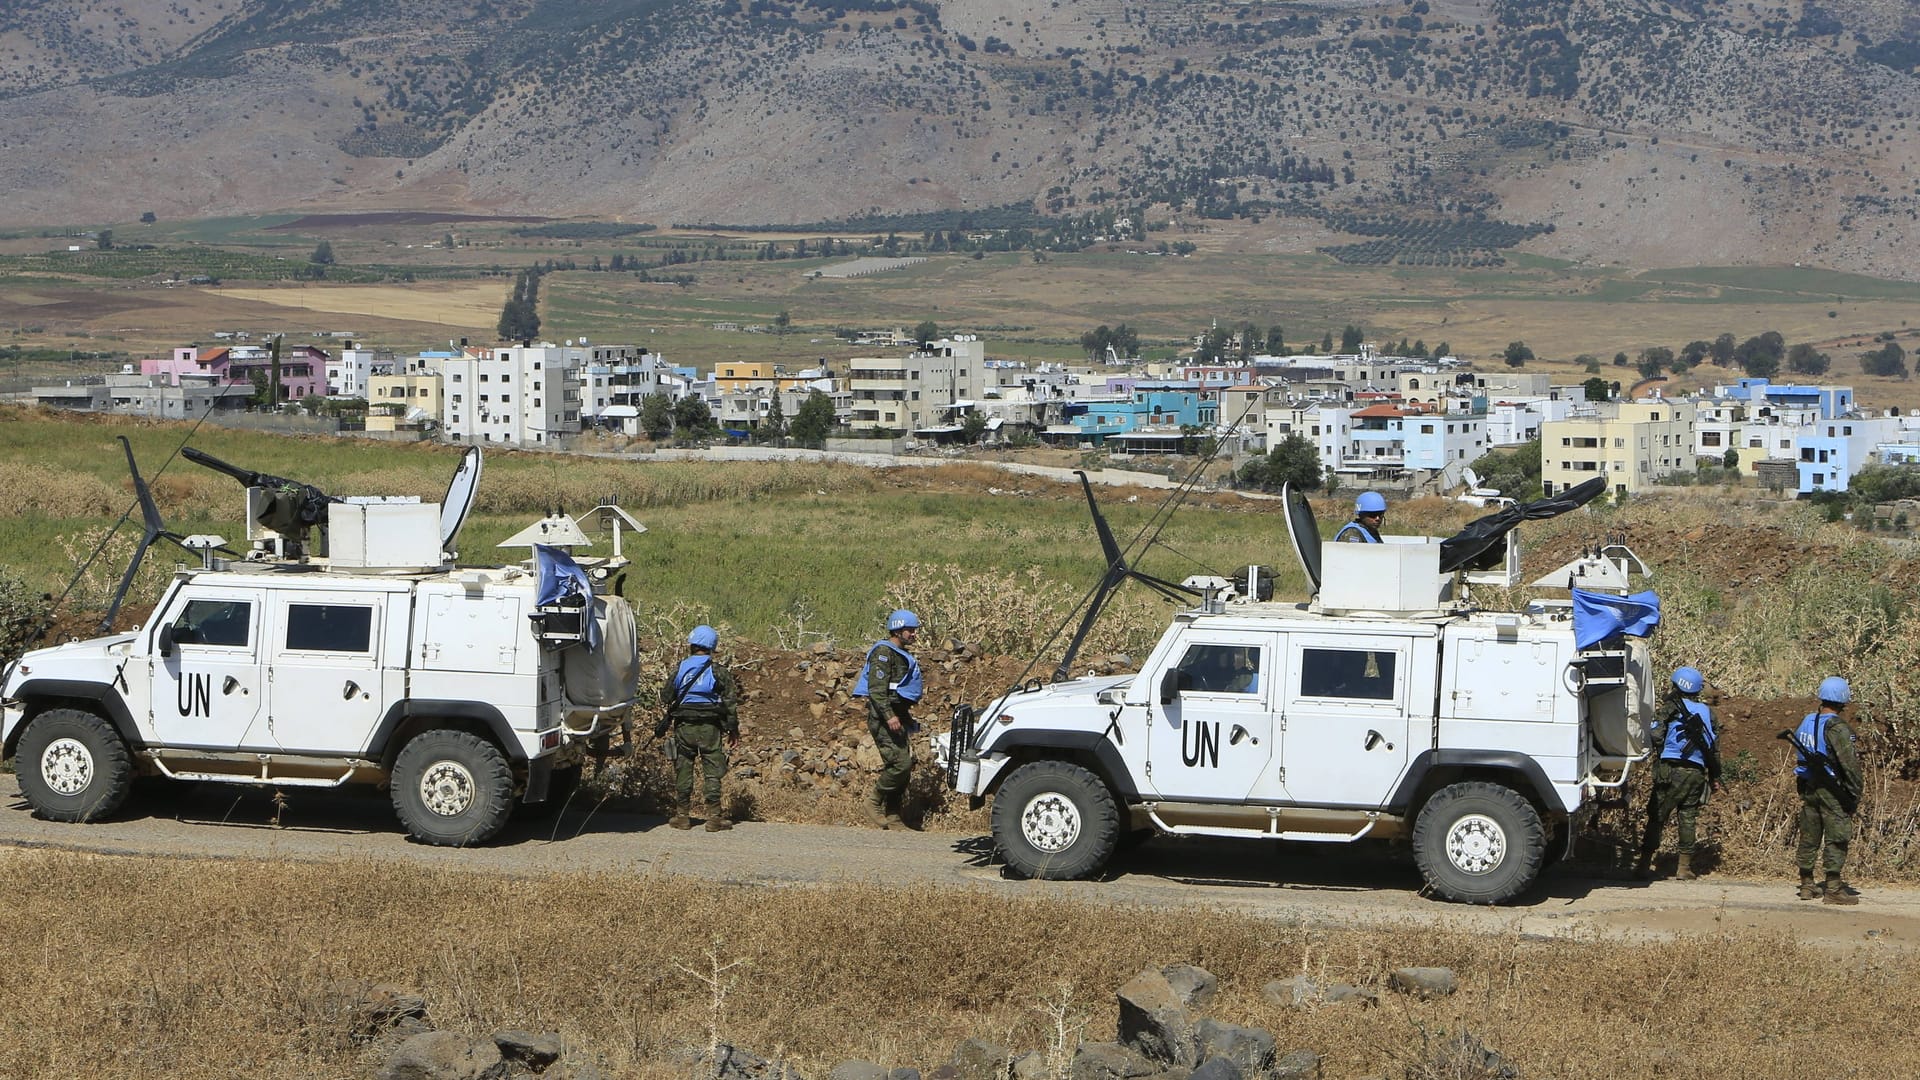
(1369, 512)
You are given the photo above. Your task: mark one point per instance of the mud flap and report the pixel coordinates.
(539, 778)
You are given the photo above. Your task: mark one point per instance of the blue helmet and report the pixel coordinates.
(1370, 502)
(1688, 680)
(1835, 689)
(703, 636)
(902, 620)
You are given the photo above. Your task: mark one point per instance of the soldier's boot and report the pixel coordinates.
(1839, 892)
(1808, 890)
(718, 823)
(893, 819)
(877, 810)
(1685, 870)
(1643, 866)
(679, 819)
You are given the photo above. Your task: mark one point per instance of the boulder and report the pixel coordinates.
(857, 1070)
(1217, 1069)
(1154, 1020)
(1196, 986)
(1107, 1061)
(1031, 1065)
(1302, 992)
(1296, 1065)
(728, 1062)
(1249, 1048)
(536, 1052)
(1423, 982)
(441, 1055)
(369, 1011)
(980, 1059)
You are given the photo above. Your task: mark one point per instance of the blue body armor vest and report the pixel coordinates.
(1810, 739)
(1677, 748)
(911, 687)
(1355, 527)
(696, 683)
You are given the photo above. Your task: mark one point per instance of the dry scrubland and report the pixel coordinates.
(134, 968)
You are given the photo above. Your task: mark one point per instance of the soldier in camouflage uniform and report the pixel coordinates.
(703, 709)
(1687, 769)
(1827, 774)
(893, 683)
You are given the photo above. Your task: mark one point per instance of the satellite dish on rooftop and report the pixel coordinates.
(459, 501)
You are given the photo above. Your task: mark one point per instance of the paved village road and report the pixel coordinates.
(1315, 884)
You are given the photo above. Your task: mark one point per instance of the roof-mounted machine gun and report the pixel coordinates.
(280, 512)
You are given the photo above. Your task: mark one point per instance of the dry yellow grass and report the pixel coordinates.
(454, 303)
(123, 967)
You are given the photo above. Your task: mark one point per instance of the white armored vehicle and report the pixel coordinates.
(367, 657)
(1387, 706)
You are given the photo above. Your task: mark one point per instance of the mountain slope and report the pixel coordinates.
(1641, 132)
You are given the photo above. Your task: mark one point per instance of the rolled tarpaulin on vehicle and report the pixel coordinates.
(1599, 616)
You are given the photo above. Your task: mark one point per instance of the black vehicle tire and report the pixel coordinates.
(560, 787)
(1055, 820)
(73, 766)
(1479, 843)
(452, 788)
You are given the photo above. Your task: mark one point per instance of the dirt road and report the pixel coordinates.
(1308, 883)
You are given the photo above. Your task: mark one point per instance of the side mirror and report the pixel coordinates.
(1172, 682)
(166, 639)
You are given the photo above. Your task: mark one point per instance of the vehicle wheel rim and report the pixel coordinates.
(67, 766)
(447, 788)
(1050, 822)
(1476, 844)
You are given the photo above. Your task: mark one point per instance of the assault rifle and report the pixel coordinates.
(1828, 768)
(1693, 732)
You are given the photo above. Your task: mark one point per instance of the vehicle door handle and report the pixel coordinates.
(1374, 739)
(228, 686)
(1238, 733)
(347, 691)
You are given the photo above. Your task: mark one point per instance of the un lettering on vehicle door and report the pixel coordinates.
(207, 677)
(1214, 738)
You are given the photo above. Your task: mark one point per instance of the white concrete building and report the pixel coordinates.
(512, 394)
(916, 392)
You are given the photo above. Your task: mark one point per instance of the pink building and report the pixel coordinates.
(303, 368)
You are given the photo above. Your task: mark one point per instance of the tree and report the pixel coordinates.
(1731, 459)
(520, 316)
(1443, 349)
(1760, 355)
(322, 254)
(783, 321)
(1597, 389)
(1326, 343)
(1293, 460)
(1619, 359)
(926, 332)
(1654, 360)
(1722, 350)
(1350, 338)
(656, 416)
(814, 420)
(148, 218)
(1517, 353)
(775, 425)
(1588, 363)
(1696, 352)
(1276, 344)
(1804, 359)
(1890, 360)
(691, 417)
(104, 240)
(1514, 472)
(973, 425)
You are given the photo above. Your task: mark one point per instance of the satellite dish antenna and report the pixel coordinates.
(459, 501)
(1473, 478)
(416, 414)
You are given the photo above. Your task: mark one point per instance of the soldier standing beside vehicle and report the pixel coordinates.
(893, 683)
(1688, 767)
(1369, 511)
(1827, 774)
(703, 710)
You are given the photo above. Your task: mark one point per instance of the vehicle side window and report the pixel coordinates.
(1222, 669)
(329, 628)
(213, 622)
(1365, 674)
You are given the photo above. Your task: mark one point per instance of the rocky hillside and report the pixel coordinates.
(1427, 132)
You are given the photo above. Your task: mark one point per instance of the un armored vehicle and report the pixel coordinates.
(1387, 706)
(343, 647)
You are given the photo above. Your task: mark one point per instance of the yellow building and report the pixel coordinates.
(402, 395)
(733, 375)
(1631, 443)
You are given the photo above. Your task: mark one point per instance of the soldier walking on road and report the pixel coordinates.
(703, 710)
(1688, 767)
(893, 683)
(1827, 774)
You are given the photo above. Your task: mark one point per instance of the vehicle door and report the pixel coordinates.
(1212, 732)
(1346, 740)
(208, 683)
(327, 692)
